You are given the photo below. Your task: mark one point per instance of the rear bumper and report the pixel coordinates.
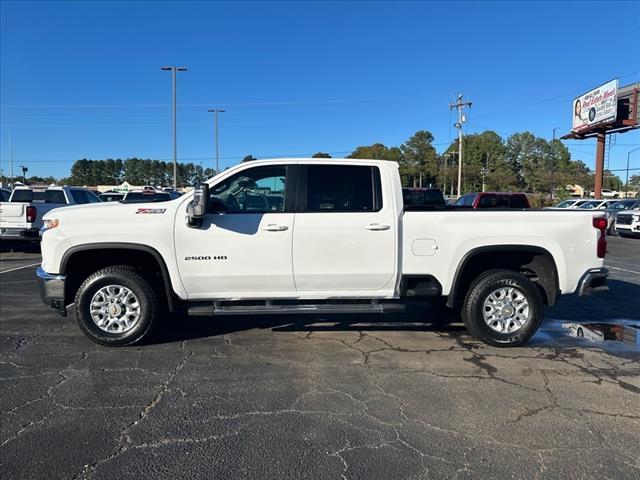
(51, 288)
(19, 233)
(593, 281)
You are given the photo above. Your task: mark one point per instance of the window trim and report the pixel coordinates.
(302, 188)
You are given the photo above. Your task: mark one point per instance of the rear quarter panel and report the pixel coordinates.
(568, 236)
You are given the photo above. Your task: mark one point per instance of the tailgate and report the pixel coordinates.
(13, 215)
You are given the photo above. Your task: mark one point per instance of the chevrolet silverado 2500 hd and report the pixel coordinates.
(313, 236)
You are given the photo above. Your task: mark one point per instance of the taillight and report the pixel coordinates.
(32, 213)
(601, 224)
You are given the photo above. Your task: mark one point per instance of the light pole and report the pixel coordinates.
(24, 174)
(553, 160)
(216, 111)
(175, 131)
(626, 183)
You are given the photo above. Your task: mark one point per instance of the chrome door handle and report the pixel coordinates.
(272, 227)
(377, 226)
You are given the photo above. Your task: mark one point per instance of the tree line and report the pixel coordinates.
(136, 171)
(522, 161)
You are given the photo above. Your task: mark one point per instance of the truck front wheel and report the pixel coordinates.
(115, 306)
(502, 308)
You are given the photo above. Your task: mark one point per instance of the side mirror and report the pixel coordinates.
(197, 209)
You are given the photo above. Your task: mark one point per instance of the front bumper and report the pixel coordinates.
(593, 281)
(52, 290)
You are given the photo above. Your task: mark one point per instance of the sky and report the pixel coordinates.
(83, 79)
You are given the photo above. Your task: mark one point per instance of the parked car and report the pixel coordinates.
(612, 211)
(597, 204)
(21, 216)
(111, 196)
(628, 223)
(498, 200)
(342, 241)
(607, 193)
(416, 198)
(146, 196)
(571, 203)
(4, 194)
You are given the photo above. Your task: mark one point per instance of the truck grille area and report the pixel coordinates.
(624, 220)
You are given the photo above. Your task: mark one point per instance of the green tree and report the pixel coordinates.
(377, 151)
(321, 155)
(419, 160)
(249, 158)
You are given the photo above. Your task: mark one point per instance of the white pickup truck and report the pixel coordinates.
(313, 236)
(21, 216)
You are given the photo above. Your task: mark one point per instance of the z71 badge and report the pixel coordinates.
(150, 210)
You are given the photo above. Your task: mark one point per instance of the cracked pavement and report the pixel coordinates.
(398, 396)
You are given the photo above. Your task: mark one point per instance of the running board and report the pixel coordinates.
(322, 308)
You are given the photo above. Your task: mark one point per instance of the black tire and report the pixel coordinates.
(128, 277)
(481, 288)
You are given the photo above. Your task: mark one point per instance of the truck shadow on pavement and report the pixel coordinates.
(619, 303)
(436, 319)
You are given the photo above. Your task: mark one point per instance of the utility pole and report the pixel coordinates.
(175, 130)
(444, 179)
(553, 160)
(484, 170)
(461, 119)
(626, 183)
(216, 111)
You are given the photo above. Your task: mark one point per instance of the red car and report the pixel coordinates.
(484, 200)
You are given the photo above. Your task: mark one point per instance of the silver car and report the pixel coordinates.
(620, 206)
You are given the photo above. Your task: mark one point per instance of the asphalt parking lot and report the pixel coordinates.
(402, 396)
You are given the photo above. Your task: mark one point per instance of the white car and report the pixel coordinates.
(570, 203)
(339, 241)
(607, 193)
(628, 223)
(597, 204)
(21, 216)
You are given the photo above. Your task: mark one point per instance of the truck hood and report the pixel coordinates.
(111, 209)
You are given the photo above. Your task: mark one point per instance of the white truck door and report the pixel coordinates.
(345, 234)
(247, 249)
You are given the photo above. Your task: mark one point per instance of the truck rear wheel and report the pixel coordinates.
(115, 306)
(502, 308)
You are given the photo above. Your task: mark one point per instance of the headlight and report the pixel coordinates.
(52, 223)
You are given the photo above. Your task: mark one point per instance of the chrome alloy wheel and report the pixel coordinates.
(115, 309)
(506, 310)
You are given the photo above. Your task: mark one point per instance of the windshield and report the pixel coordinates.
(139, 197)
(565, 204)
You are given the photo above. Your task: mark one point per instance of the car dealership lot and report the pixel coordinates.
(396, 396)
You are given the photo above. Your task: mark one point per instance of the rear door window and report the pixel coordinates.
(343, 188)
